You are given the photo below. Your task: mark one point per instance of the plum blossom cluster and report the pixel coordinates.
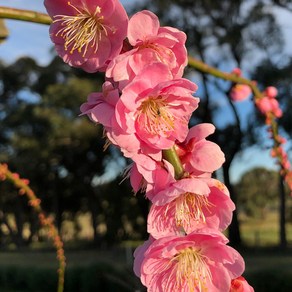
(268, 104)
(145, 106)
(269, 107)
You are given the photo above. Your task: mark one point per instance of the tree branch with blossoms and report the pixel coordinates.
(145, 106)
(35, 203)
(278, 152)
(265, 102)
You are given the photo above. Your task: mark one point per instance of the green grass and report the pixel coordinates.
(263, 232)
(87, 271)
(267, 269)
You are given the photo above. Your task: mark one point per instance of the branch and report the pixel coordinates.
(24, 15)
(271, 119)
(171, 156)
(34, 202)
(203, 67)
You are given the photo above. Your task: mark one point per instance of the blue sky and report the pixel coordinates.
(33, 40)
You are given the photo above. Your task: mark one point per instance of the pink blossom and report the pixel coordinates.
(197, 154)
(240, 92)
(264, 105)
(268, 105)
(131, 146)
(151, 43)
(237, 71)
(271, 92)
(87, 34)
(151, 176)
(240, 285)
(100, 106)
(196, 202)
(200, 261)
(155, 108)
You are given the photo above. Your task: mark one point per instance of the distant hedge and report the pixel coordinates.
(270, 280)
(103, 277)
(97, 277)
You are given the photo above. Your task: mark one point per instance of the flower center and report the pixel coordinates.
(155, 116)
(192, 270)
(163, 54)
(83, 30)
(189, 207)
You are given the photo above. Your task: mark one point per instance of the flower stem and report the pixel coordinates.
(24, 15)
(171, 156)
(204, 68)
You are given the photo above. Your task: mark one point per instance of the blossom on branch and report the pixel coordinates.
(200, 261)
(197, 154)
(87, 34)
(145, 107)
(240, 285)
(150, 44)
(100, 106)
(268, 105)
(240, 92)
(188, 204)
(155, 108)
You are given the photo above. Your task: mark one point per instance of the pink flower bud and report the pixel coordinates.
(240, 92)
(271, 91)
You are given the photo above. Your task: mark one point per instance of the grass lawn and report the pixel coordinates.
(264, 268)
(268, 269)
(87, 270)
(263, 232)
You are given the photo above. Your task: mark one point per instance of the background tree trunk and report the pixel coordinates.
(282, 214)
(233, 230)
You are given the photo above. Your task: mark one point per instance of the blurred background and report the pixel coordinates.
(43, 138)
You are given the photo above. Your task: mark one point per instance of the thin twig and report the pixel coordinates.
(34, 202)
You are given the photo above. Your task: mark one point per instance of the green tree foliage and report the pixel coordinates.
(62, 154)
(258, 192)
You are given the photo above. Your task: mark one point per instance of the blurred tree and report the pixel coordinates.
(277, 74)
(62, 155)
(258, 192)
(286, 4)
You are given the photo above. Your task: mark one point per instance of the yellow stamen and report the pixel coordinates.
(189, 207)
(161, 51)
(192, 269)
(83, 30)
(155, 116)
